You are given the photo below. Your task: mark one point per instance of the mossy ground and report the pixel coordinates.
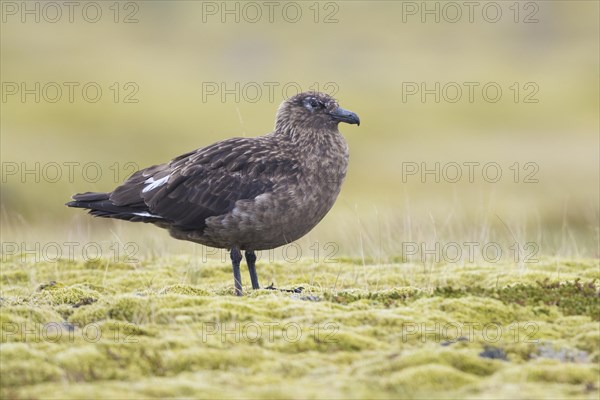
(172, 328)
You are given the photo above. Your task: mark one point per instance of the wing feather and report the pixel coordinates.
(207, 182)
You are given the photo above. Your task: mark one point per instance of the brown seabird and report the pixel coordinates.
(243, 193)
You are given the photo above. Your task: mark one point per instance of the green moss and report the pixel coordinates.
(387, 297)
(588, 339)
(91, 313)
(14, 277)
(168, 329)
(23, 365)
(57, 293)
(198, 358)
(133, 309)
(111, 357)
(298, 339)
(123, 331)
(184, 289)
(463, 360)
(38, 314)
(86, 363)
(427, 378)
(572, 298)
(103, 264)
(556, 372)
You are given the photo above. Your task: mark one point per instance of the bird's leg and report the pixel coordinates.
(251, 261)
(236, 258)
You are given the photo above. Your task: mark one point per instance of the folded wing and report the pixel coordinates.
(204, 183)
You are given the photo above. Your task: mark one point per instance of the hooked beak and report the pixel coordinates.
(341, 115)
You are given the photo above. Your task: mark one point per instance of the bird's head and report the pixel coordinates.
(314, 111)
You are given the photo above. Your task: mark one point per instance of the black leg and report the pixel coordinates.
(236, 258)
(251, 261)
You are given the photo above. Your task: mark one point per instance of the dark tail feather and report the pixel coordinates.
(100, 205)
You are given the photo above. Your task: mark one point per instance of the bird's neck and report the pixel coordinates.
(317, 142)
(304, 135)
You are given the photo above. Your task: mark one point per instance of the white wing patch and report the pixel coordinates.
(262, 198)
(147, 214)
(152, 184)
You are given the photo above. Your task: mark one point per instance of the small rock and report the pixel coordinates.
(494, 353)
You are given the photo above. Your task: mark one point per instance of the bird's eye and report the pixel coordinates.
(314, 103)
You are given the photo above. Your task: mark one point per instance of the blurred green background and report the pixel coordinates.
(166, 55)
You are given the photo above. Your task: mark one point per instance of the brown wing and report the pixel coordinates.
(207, 182)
